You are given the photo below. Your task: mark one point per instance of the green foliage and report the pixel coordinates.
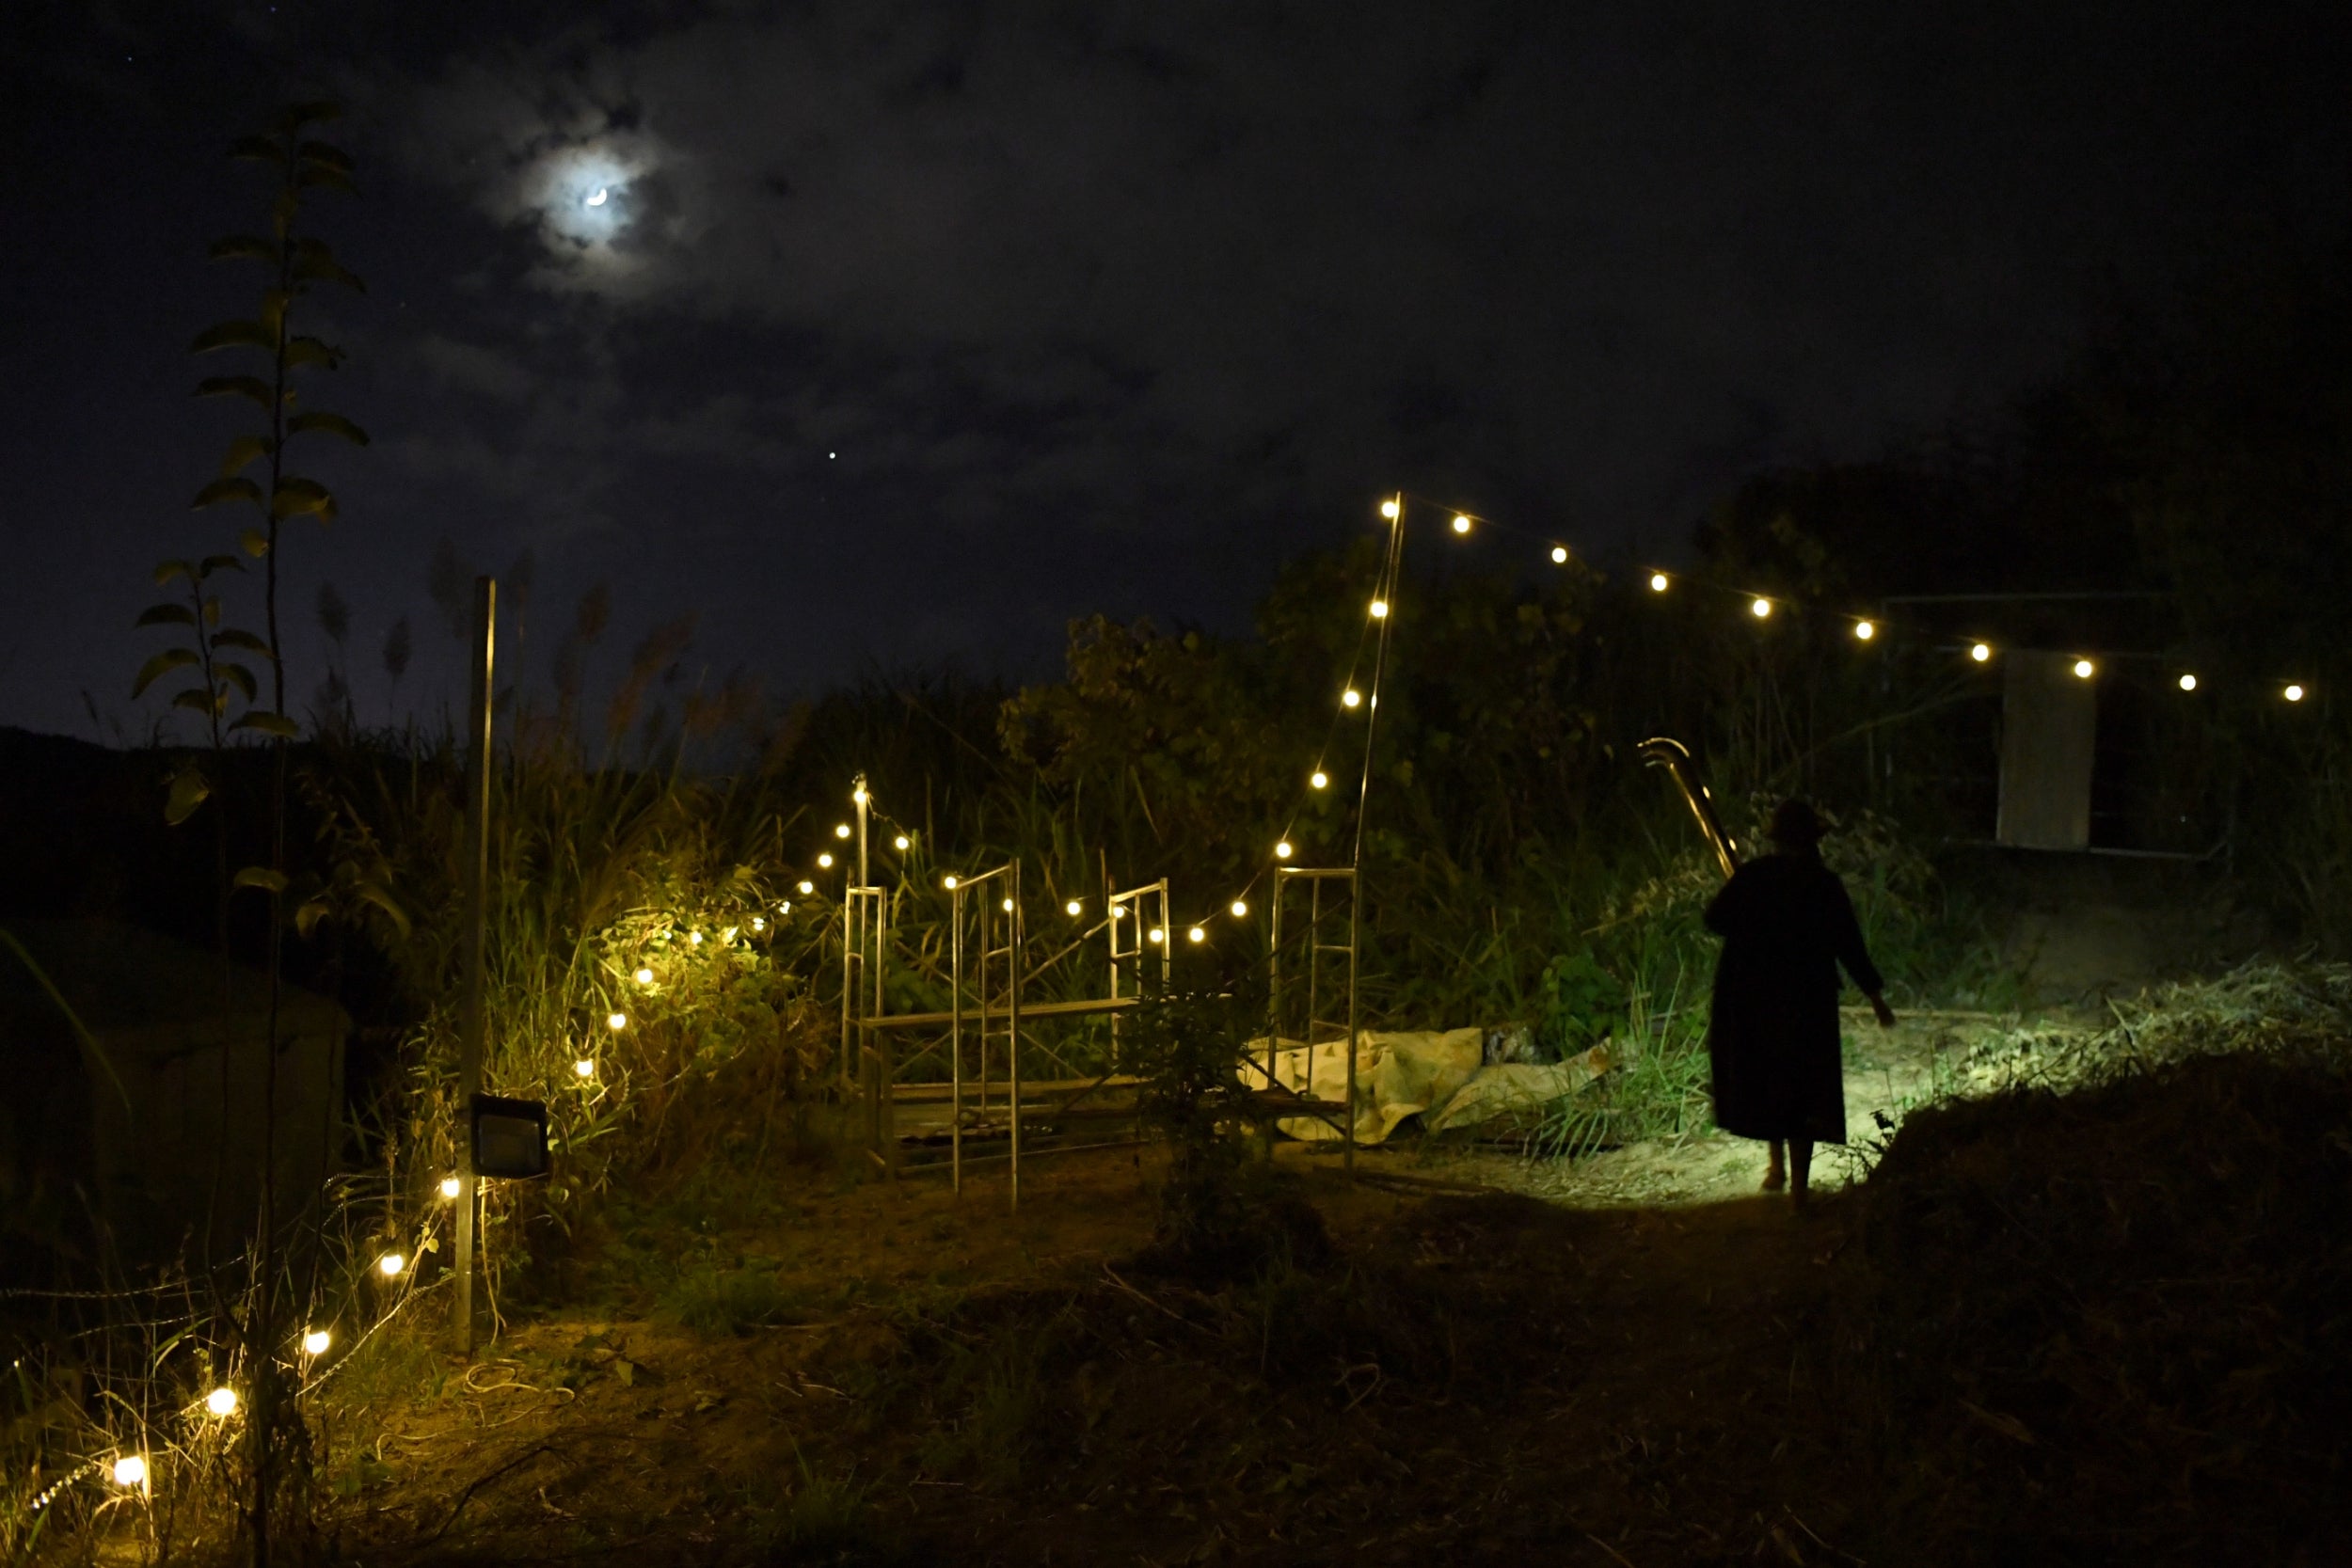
(1583, 1004)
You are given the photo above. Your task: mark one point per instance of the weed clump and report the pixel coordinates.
(1221, 1213)
(2109, 1322)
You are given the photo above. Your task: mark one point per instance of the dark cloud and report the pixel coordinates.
(906, 331)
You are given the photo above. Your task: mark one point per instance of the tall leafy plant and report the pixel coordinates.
(255, 472)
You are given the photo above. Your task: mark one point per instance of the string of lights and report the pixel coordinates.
(1355, 699)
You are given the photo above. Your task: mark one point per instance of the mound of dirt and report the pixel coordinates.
(2113, 1325)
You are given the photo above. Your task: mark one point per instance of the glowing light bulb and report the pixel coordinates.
(616, 1022)
(1350, 697)
(584, 1068)
(841, 829)
(1196, 934)
(222, 1401)
(1155, 934)
(1240, 908)
(1318, 778)
(807, 888)
(130, 1470)
(1759, 607)
(1119, 912)
(390, 1264)
(858, 795)
(1379, 610)
(1008, 906)
(759, 924)
(2292, 693)
(824, 862)
(451, 1186)
(1865, 630)
(1980, 653)
(1658, 582)
(1282, 851)
(1388, 508)
(727, 936)
(645, 975)
(784, 908)
(1559, 555)
(693, 939)
(901, 842)
(1461, 523)
(947, 882)
(2083, 669)
(2188, 683)
(316, 1341)
(1072, 907)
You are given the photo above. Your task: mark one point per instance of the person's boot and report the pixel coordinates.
(1776, 1176)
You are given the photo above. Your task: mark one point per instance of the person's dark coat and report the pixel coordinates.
(1772, 1036)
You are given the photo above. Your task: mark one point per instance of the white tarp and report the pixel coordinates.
(1434, 1074)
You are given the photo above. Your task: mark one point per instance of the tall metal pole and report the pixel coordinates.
(469, 1031)
(1363, 803)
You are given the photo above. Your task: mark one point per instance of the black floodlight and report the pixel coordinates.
(510, 1138)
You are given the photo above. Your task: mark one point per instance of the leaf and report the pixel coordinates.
(261, 876)
(296, 495)
(244, 248)
(307, 918)
(276, 724)
(242, 450)
(313, 270)
(231, 489)
(372, 893)
(189, 791)
(326, 156)
(212, 563)
(236, 385)
(197, 700)
(167, 571)
(237, 675)
(254, 543)
(230, 636)
(334, 425)
(312, 351)
(260, 149)
(212, 610)
(165, 615)
(160, 665)
(234, 334)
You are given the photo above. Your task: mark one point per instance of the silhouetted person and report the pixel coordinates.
(1772, 1036)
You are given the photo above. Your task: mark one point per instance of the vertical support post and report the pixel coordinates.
(470, 1022)
(1012, 1022)
(1274, 980)
(955, 1038)
(1364, 806)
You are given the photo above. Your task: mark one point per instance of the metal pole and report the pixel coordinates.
(1274, 980)
(955, 1038)
(471, 1024)
(1363, 804)
(1012, 1022)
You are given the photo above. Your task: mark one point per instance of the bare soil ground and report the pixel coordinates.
(2044, 1339)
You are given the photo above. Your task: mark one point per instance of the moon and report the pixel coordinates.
(597, 199)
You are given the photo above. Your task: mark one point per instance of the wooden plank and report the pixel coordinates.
(1029, 1010)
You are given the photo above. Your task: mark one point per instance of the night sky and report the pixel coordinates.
(906, 332)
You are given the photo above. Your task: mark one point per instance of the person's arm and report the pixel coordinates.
(1852, 951)
(1726, 911)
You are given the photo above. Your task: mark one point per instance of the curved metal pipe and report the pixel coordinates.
(1664, 752)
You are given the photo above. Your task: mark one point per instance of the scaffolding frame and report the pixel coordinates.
(989, 971)
(1318, 954)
